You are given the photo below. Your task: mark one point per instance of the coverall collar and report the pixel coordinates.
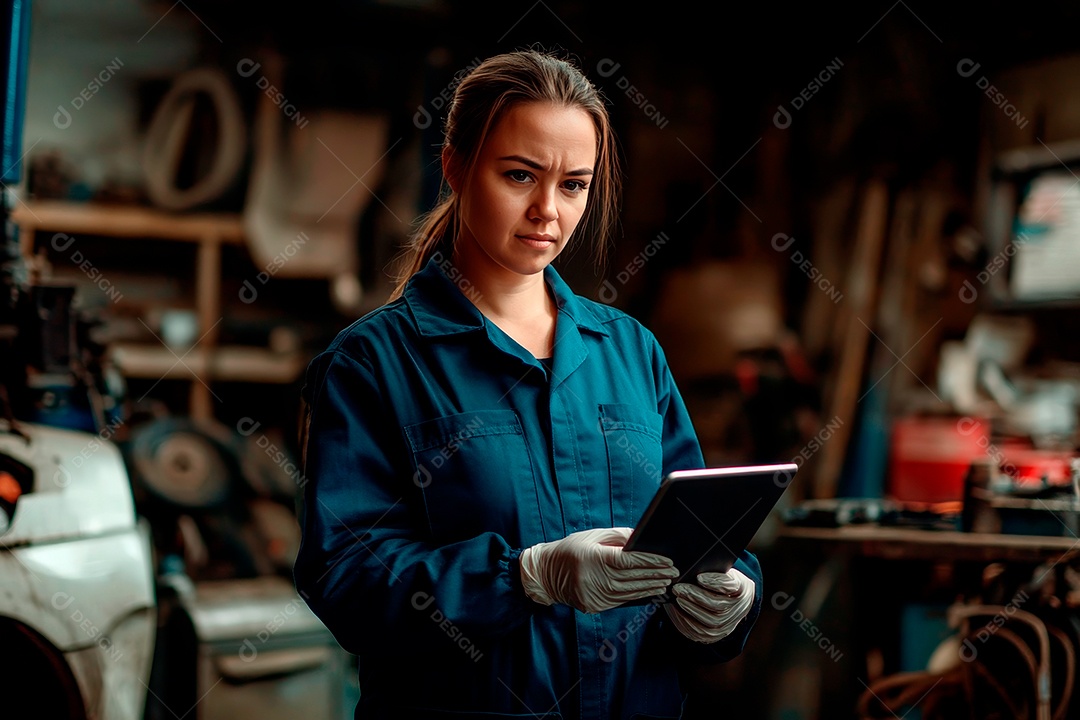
(437, 298)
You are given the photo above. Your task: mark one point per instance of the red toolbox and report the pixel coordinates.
(929, 456)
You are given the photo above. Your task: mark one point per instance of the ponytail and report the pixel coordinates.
(436, 227)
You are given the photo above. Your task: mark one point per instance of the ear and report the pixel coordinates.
(451, 168)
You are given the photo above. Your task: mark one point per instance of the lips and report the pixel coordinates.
(537, 241)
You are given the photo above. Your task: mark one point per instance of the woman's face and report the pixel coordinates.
(527, 191)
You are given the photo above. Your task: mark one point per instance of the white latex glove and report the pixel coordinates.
(710, 610)
(589, 571)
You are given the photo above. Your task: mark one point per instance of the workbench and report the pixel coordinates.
(846, 605)
(913, 544)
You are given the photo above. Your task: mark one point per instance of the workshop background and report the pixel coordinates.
(855, 231)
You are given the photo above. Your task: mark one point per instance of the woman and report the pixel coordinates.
(478, 448)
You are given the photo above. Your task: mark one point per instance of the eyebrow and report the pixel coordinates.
(537, 166)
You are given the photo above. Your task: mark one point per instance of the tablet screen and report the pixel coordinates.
(703, 519)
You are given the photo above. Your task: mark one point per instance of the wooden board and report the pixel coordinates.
(857, 312)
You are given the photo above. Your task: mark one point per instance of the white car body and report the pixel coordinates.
(76, 567)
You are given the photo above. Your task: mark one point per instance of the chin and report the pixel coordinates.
(529, 268)
(525, 264)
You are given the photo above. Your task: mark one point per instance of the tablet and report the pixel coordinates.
(703, 519)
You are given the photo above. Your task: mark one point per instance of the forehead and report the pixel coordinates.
(555, 135)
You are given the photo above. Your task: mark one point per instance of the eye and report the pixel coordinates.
(518, 176)
(576, 186)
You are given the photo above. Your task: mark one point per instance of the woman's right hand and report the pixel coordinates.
(590, 571)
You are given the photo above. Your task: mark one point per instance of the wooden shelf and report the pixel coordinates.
(1038, 157)
(208, 232)
(1010, 305)
(128, 221)
(235, 363)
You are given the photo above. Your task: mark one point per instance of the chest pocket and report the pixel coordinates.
(635, 457)
(476, 475)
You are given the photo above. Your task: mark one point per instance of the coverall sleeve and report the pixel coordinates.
(364, 566)
(682, 451)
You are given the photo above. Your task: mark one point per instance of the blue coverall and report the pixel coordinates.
(438, 449)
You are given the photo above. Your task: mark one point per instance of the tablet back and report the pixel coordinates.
(703, 519)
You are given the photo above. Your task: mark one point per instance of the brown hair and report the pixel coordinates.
(481, 99)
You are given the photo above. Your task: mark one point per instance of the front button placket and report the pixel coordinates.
(578, 514)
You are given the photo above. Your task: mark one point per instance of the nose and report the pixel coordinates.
(543, 208)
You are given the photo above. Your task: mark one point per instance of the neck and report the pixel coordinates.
(518, 304)
(505, 295)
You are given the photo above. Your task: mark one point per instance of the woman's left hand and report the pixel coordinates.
(709, 611)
